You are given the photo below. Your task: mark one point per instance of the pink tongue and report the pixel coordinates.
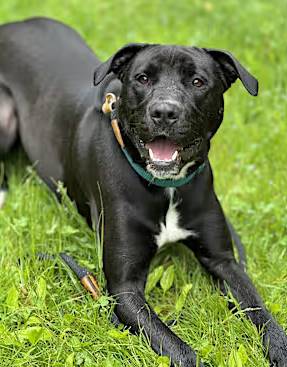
(162, 149)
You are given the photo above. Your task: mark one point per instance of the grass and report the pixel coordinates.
(46, 318)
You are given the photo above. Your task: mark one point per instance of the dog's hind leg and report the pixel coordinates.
(8, 133)
(8, 120)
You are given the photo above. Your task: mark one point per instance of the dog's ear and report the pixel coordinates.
(232, 69)
(117, 62)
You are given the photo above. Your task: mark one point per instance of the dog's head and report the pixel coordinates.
(171, 102)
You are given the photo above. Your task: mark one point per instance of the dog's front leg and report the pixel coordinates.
(128, 249)
(230, 273)
(215, 253)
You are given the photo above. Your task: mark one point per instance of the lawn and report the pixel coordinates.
(47, 319)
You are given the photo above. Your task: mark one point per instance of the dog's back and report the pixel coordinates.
(44, 66)
(55, 50)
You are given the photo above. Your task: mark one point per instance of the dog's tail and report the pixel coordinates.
(3, 185)
(239, 245)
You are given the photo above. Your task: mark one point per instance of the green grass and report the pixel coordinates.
(46, 318)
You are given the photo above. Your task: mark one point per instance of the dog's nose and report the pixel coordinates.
(165, 112)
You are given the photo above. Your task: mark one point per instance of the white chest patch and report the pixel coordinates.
(170, 231)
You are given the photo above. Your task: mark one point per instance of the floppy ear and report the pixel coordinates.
(232, 69)
(117, 62)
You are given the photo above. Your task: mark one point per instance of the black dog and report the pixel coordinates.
(170, 105)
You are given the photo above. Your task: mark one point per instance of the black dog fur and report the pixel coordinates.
(47, 100)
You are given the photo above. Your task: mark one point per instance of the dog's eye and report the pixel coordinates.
(198, 82)
(142, 78)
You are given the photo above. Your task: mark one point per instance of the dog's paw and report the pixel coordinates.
(187, 364)
(275, 341)
(190, 363)
(187, 359)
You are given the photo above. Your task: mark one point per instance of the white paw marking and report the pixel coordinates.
(2, 197)
(170, 231)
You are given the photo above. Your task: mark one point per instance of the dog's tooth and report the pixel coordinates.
(150, 153)
(174, 156)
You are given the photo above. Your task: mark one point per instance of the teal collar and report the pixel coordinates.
(161, 182)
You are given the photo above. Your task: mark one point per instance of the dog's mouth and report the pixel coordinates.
(163, 151)
(165, 158)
